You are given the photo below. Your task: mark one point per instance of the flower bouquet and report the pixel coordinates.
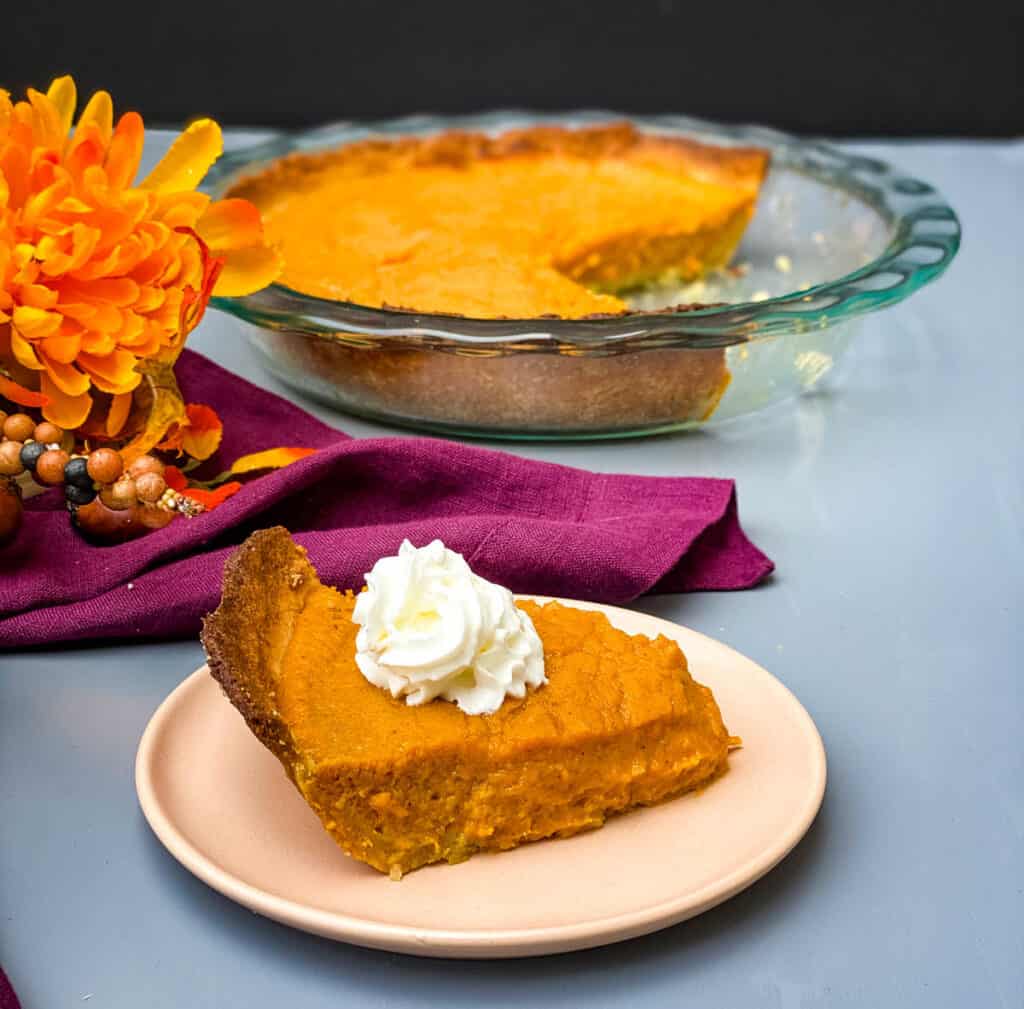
(102, 278)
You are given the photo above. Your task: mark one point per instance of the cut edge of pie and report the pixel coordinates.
(620, 261)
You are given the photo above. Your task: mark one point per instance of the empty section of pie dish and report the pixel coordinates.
(834, 236)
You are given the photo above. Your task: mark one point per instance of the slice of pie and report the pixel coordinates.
(620, 723)
(534, 222)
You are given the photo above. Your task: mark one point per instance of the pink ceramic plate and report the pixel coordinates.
(223, 807)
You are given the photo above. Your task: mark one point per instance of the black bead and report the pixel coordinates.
(30, 453)
(79, 495)
(76, 472)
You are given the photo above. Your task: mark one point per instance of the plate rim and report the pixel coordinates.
(477, 943)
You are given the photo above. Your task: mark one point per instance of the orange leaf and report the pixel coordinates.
(202, 432)
(211, 498)
(271, 458)
(160, 400)
(175, 479)
(10, 389)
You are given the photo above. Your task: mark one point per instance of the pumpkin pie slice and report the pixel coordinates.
(619, 724)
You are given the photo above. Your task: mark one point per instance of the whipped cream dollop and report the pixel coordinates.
(430, 627)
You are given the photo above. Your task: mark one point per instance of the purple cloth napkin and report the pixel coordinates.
(8, 1000)
(535, 527)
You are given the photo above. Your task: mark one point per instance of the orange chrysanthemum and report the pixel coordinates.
(97, 273)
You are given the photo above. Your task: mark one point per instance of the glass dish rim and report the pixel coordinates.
(926, 235)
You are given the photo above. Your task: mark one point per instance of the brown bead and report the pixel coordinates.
(48, 433)
(149, 487)
(3, 417)
(154, 518)
(146, 464)
(120, 494)
(10, 458)
(100, 524)
(50, 467)
(19, 427)
(105, 465)
(11, 511)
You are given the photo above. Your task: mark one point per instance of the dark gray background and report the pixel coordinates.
(870, 67)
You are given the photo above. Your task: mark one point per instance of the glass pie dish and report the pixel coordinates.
(835, 236)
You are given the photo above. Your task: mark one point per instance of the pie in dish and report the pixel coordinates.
(619, 723)
(534, 222)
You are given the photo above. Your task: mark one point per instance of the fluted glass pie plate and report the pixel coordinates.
(835, 235)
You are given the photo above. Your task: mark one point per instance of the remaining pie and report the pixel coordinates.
(534, 222)
(620, 723)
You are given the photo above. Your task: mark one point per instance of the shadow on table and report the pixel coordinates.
(377, 975)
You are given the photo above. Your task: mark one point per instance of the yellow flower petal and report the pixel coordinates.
(35, 323)
(97, 342)
(85, 153)
(182, 168)
(99, 110)
(46, 120)
(67, 378)
(247, 270)
(66, 411)
(23, 351)
(230, 224)
(62, 348)
(118, 291)
(176, 210)
(114, 372)
(38, 296)
(64, 95)
(125, 151)
(120, 407)
(42, 203)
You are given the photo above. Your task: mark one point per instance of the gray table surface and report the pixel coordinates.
(893, 505)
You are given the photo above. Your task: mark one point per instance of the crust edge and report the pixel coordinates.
(269, 572)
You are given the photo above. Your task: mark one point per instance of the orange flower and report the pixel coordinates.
(97, 273)
(197, 434)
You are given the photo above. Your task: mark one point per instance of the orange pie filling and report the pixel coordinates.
(545, 221)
